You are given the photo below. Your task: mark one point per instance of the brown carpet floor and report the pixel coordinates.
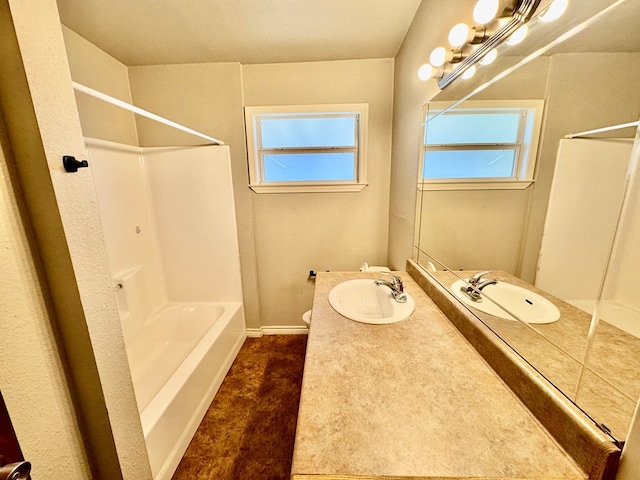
(249, 429)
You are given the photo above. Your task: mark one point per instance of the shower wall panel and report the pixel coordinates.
(129, 230)
(192, 197)
(586, 196)
(621, 286)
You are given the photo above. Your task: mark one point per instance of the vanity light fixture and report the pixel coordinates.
(489, 58)
(458, 35)
(438, 57)
(469, 72)
(498, 22)
(518, 36)
(486, 11)
(425, 72)
(555, 11)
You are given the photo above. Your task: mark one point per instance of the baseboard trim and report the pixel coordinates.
(277, 330)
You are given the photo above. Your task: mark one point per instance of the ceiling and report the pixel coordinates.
(157, 32)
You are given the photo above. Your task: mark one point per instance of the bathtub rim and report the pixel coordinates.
(152, 413)
(169, 314)
(169, 436)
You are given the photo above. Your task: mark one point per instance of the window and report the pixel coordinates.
(311, 148)
(480, 145)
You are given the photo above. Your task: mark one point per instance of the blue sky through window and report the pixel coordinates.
(440, 164)
(309, 167)
(476, 128)
(307, 148)
(308, 132)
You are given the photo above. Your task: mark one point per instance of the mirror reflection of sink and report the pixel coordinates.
(528, 306)
(364, 301)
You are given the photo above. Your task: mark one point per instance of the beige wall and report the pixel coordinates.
(42, 125)
(410, 94)
(93, 68)
(322, 231)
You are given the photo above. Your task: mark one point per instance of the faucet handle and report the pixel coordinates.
(396, 280)
(476, 278)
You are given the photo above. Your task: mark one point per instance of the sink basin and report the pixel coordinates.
(526, 305)
(364, 301)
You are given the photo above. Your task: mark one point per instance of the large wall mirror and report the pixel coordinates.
(562, 224)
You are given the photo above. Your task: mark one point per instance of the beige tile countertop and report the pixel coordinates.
(411, 400)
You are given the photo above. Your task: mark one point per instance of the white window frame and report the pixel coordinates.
(255, 152)
(527, 146)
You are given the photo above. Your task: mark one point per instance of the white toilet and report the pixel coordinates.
(306, 318)
(365, 267)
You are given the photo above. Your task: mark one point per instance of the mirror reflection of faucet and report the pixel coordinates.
(475, 285)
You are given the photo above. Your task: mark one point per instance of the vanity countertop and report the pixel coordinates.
(610, 385)
(411, 400)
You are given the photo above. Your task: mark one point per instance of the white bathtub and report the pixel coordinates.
(615, 313)
(178, 362)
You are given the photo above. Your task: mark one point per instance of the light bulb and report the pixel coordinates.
(489, 58)
(458, 35)
(518, 36)
(425, 72)
(469, 72)
(555, 11)
(438, 57)
(485, 11)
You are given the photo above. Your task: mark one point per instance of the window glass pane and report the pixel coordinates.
(469, 164)
(473, 128)
(309, 167)
(308, 132)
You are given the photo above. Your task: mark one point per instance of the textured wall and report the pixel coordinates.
(32, 375)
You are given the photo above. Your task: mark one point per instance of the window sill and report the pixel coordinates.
(308, 188)
(517, 185)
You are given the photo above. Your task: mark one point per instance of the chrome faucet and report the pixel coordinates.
(476, 284)
(475, 279)
(396, 286)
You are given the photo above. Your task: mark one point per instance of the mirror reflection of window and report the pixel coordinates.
(481, 142)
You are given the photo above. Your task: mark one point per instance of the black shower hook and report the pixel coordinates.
(72, 165)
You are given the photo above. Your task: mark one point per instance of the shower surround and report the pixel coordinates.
(170, 228)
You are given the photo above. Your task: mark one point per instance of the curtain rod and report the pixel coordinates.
(603, 129)
(119, 103)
